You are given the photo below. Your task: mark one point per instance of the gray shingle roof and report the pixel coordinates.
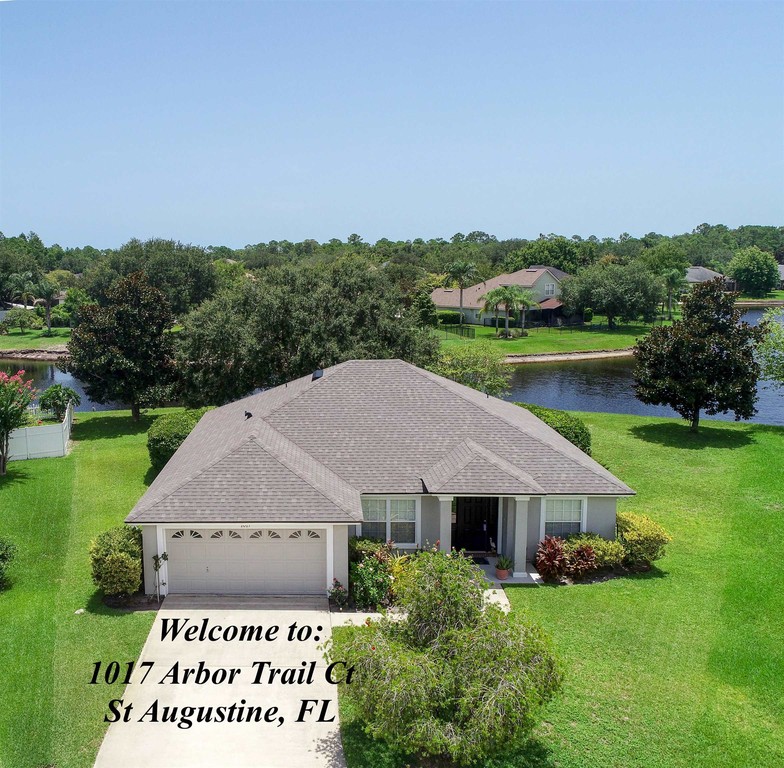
(365, 427)
(701, 275)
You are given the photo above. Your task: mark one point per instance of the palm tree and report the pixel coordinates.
(492, 303)
(525, 300)
(47, 293)
(673, 281)
(22, 287)
(464, 273)
(511, 298)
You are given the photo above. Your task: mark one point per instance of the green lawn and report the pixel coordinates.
(52, 508)
(14, 339)
(774, 295)
(547, 340)
(682, 666)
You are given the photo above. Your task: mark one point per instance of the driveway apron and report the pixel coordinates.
(293, 744)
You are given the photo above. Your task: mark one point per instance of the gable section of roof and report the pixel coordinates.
(472, 468)
(265, 478)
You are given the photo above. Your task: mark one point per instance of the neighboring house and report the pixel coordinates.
(544, 282)
(781, 277)
(705, 275)
(263, 495)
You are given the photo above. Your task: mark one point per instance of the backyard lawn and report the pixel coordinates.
(682, 666)
(52, 508)
(547, 340)
(14, 339)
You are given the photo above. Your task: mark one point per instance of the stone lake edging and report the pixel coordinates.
(50, 355)
(557, 357)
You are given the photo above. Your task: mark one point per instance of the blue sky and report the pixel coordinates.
(240, 122)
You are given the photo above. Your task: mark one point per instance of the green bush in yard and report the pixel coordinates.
(609, 553)
(448, 317)
(167, 434)
(643, 539)
(7, 555)
(121, 575)
(360, 547)
(565, 424)
(460, 683)
(111, 572)
(370, 583)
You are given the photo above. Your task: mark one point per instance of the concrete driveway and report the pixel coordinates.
(290, 744)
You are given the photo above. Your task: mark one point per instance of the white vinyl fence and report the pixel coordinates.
(42, 442)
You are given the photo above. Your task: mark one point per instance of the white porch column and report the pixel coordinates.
(521, 534)
(445, 523)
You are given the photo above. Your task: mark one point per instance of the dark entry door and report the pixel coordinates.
(476, 522)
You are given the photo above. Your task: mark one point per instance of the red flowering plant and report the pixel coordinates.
(16, 394)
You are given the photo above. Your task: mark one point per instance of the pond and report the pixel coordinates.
(588, 385)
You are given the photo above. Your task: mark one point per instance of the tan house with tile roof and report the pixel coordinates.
(262, 496)
(544, 282)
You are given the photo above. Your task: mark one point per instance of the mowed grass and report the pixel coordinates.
(683, 666)
(15, 339)
(549, 340)
(49, 713)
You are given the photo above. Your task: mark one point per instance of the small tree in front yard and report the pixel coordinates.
(16, 394)
(455, 680)
(704, 361)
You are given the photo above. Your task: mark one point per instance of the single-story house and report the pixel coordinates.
(544, 282)
(263, 495)
(705, 275)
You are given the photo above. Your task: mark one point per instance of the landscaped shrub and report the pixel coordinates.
(565, 424)
(643, 539)
(371, 583)
(448, 317)
(112, 572)
(580, 561)
(121, 575)
(587, 315)
(460, 683)
(551, 560)
(167, 434)
(7, 555)
(360, 547)
(608, 553)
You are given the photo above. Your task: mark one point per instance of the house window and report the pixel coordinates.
(549, 289)
(394, 519)
(563, 517)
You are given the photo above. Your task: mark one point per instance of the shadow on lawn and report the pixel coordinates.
(680, 436)
(109, 427)
(362, 750)
(16, 474)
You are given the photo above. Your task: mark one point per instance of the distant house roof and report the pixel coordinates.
(550, 304)
(311, 447)
(701, 275)
(472, 296)
(559, 273)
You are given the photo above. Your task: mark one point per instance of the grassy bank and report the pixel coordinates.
(683, 666)
(14, 339)
(52, 508)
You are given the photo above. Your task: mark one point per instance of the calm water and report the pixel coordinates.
(589, 385)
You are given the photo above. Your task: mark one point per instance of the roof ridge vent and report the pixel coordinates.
(317, 374)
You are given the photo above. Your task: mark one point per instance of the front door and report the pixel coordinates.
(476, 523)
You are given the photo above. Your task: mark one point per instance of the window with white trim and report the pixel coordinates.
(563, 517)
(549, 289)
(394, 519)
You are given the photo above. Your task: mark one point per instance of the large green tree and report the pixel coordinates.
(123, 351)
(621, 292)
(771, 350)
(704, 362)
(756, 271)
(290, 321)
(479, 365)
(16, 393)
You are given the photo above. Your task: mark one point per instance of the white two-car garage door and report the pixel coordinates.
(258, 561)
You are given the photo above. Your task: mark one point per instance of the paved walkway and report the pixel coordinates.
(307, 744)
